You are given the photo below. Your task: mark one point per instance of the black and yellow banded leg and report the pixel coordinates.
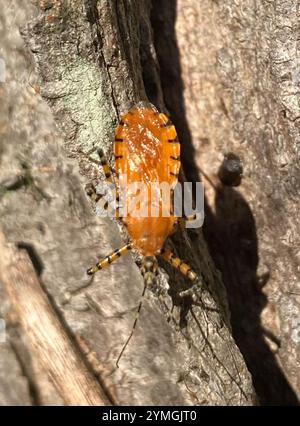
(190, 218)
(106, 261)
(95, 197)
(109, 178)
(91, 192)
(182, 220)
(177, 263)
(106, 167)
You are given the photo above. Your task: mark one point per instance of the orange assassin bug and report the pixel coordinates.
(146, 149)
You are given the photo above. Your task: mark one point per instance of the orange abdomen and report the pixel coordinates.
(147, 151)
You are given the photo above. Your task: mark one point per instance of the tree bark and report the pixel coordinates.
(91, 61)
(53, 347)
(233, 85)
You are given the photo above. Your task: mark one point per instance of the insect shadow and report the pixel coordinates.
(230, 232)
(232, 239)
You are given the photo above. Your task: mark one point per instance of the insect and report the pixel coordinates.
(146, 150)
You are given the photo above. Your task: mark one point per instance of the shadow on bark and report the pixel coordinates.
(230, 232)
(163, 19)
(232, 240)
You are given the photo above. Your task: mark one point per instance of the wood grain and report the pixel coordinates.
(49, 340)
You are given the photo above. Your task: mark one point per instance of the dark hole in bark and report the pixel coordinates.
(230, 232)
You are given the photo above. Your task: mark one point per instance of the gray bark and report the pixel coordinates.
(236, 89)
(54, 349)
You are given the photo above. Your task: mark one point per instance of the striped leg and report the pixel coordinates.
(105, 166)
(95, 197)
(109, 178)
(189, 218)
(179, 264)
(183, 218)
(106, 261)
(91, 190)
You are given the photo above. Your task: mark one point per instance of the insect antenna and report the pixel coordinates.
(149, 271)
(134, 325)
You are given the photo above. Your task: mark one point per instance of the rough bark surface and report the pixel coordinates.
(55, 350)
(92, 60)
(233, 85)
